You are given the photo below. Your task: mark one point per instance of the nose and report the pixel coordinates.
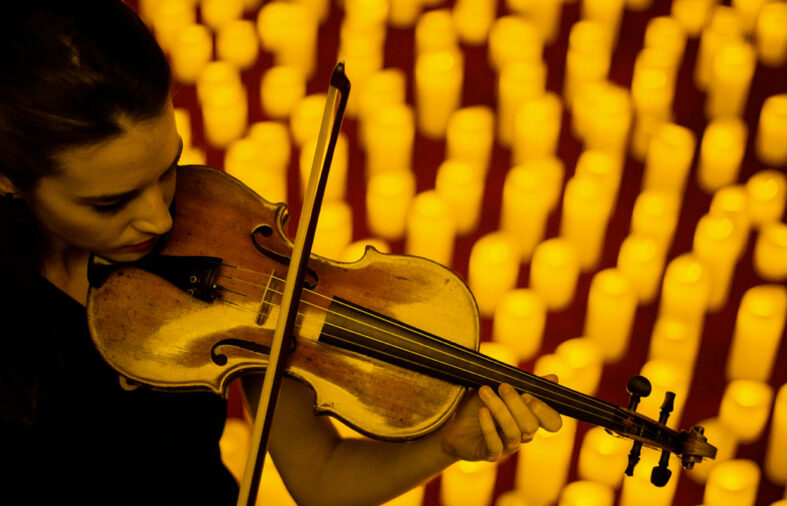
(153, 215)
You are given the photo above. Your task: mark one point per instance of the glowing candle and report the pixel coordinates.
(519, 321)
(731, 75)
(469, 136)
(605, 168)
(767, 194)
(771, 140)
(499, 351)
(604, 12)
(665, 376)
(289, 30)
(388, 197)
(390, 134)
(584, 219)
(281, 88)
(554, 272)
(651, 94)
(493, 270)
(525, 207)
(467, 483)
(609, 120)
(215, 13)
(733, 483)
(356, 250)
(192, 156)
(585, 359)
(775, 463)
(685, 289)
(168, 17)
(518, 82)
(514, 38)
(721, 153)
(434, 31)
(747, 11)
(334, 229)
(770, 252)
(732, 201)
(438, 90)
(758, 329)
(192, 48)
(642, 262)
(513, 498)
(586, 493)
(542, 465)
(473, 19)
(724, 26)
(183, 124)
(669, 158)
(770, 35)
(217, 74)
(587, 58)
(726, 445)
(404, 13)
(639, 491)
(674, 340)
(665, 34)
(306, 117)
(236, 42)
(602, 457)
(430, 228)
(274, 141)
(243, 160)
(655, 215)
(361, 60)
(715, 247)
(552, 363)
(610, 313)
(336, 187)
(537, 127)
(224, 115)
(545, 15)
(380, 89)
(745, 408)
(692, 15)
(462, 187)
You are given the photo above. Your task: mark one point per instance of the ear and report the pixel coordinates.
(6, 186)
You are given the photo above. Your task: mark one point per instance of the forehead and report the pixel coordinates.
(143, 150)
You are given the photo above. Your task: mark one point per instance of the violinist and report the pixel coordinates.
(89, 166)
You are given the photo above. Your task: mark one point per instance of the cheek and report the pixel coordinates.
(80, 227)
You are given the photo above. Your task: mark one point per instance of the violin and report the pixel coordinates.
(388, 343)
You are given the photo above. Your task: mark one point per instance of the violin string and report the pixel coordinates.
(545, 386)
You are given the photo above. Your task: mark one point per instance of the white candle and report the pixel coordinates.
(639, 491)
(470, 135)
(168, 17)
(192, 49)
(669, 157)
(608, 121)
(493, 270)
(685, 290)
(217, 74)
(602, 457)
(334, 229)
(215, 13)
(274, 141)
(610, 313)
(731, 75)
(587, 58)
(224, 115)
(388, 197)
(721, 153)
(473, 19)
(390, 134)
(586, 493)
(380, 89)
(733, 483)
(434, 31)
(514, 38)
(771, 140)
(438, 90)
(519, 321)
(336, 187)
(726, 444)
(692, 15)
(281, 88)
(745, 408)
(715, 246)
(665, 376)
(537, 127)
(543, 464)
(404, 13)
(289, 30)
(606, 13)
(545, 15)
(655, 215)
(775, 463)
(770, 35)
(605, 168)
(518, 82)
(585, 358)
(724, 26)
(467, 483)
(362, 59)
(674, 340)
(665, 34)
(747, 11)
(554, 272)
(584, 219)
(770, 252)
(758, 330)
(462, 186)
(642, 262)
(732, 202)
(525, 207)
(431, 228)
(767, 195)
(306, 117)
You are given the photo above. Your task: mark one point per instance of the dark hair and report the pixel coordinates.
(71, 72)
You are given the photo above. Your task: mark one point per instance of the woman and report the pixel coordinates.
(90, 151)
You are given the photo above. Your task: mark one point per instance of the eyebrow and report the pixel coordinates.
(99, 199)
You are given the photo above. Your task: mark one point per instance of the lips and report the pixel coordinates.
(142, 246)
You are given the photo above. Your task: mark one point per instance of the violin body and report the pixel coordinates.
(158, 334)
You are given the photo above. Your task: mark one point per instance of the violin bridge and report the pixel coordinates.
(265, 305)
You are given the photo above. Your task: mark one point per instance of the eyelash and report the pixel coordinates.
(110, 208)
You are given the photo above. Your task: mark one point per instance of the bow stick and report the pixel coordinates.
(336, 101)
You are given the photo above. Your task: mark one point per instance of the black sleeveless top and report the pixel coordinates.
(88, 440)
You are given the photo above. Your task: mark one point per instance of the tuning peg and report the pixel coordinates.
(660, 474)
(638, 387)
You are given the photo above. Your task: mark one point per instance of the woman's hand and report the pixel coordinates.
(489, 425)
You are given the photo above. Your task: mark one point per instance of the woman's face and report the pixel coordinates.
(112, 198)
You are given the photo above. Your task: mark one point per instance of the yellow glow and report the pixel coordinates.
(461, 185)
(770, 252)
(767, 196)
(438, 89)
(770, 35)
(733, 483)
(602, 457)
(721, 153)
(431, 228)
(470, 135)
(610, 313)
(771, 140)
(642, 262)
(725, 441)
(745, 408)
(493, 270)
(519, 321)
(281, 88)
(388, 197)
(554, 272)
(586, 493)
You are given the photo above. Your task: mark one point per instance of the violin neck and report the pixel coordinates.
(358, 329)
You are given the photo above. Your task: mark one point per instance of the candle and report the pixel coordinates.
(306, 118)
(655, 215)
(608, 120)
(770, 35)
(388, 197)
(721, 153)
(605, 168)
(362, 59)
(493, 270)
(603, 457)
(519, 321)
(610, 313)
(732, 483)
(183, 125)
(513, 498)
(217, 74)
(467, 483)
(431, 228)
(434, 31)
(542, 464)
(586, 493)
(499, 352)
(192, 48)
(545, 15)
(380, 89)
(192, 156)
(674, 340)
(747, 11)
(731, 75)
(289, 31)
(243, 160)
(685, 290)
(554, 272)
(356, 250)
(669, 158)
(525, 206)
(336, 187)
(438, 90)
(724, 26)
(168, 17)
(334, 229)
(652, 91)
(470, 135)
(274, 141)
(236, 42)
(390, 134)
(403, 13)
(641, 261)
(775, 463)
(519, 81)
(604, 12)
(473, 19)
(767, 192)
(726, 444)
(665, 34)
(585, 359)
(462, 187)
(514, 38)
(732, 201)
(665, 376)
(639, 491)
(758, 329)
(692, 15)
(281, 89)
(584, 219)
(745, 408)
(770, 252)
(587, 58)
(537, 127)
(215, 13)
(224, 115)
(771, 140)
(715, 246)
(552, 363)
